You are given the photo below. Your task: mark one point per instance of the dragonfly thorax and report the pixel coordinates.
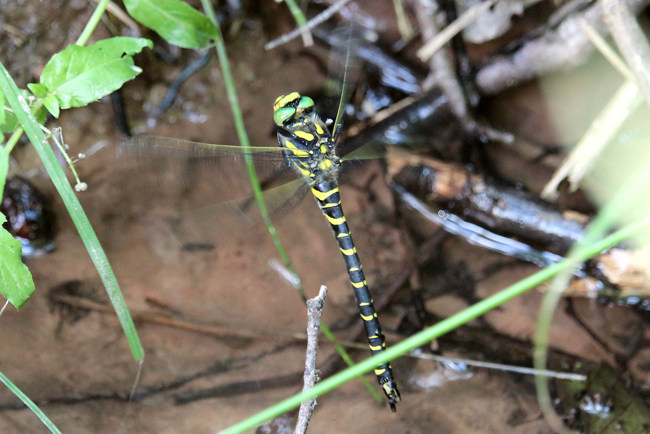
(309, 146)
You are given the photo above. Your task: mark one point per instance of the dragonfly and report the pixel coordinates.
(308, 148)
(311, 150)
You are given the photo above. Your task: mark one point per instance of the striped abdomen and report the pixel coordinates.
(329, 200)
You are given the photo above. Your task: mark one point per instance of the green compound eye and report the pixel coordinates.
(306, 103)
(280, 116)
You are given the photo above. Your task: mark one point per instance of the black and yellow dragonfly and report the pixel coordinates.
(307, 147)
(311, 150)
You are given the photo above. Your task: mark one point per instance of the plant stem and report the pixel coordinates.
(92, 23)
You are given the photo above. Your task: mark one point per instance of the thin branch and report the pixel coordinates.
(314, 314)
(562, 45)
(318, 19)
(295, 10)
(631, 41)
(434, 44)
(442, 72)
(524, 370)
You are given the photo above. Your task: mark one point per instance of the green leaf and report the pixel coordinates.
(4, 168)
(52, 105)
(177, 22)
(16, 282)
(39, 90)
(78, 75)
(3, 111)
(11, 122)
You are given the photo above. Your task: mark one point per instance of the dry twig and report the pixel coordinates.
(560, 46)
(314, 314)
(632, 42)
(318, 19)
(442, 72)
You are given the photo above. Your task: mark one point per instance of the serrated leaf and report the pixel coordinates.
(177, 22)
(51, 103)
(78, 75)
(16, 282)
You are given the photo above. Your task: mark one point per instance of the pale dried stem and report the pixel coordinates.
(314, 314)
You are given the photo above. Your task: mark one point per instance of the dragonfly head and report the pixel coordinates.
(290, 107)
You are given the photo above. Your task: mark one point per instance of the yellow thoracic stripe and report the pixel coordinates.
(319, 130)
(324, 195)
(305, 172)
(297, 152)
(300, 153)
(304, 135)
(379, 371)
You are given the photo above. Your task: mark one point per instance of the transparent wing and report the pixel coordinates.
(280, 201)
(167, 148)
(287, 196)
(209, 225)
(205, 188)
(226, 163)
(150, 145)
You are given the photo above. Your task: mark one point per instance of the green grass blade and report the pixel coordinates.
(90, 26)
(29, 403)
(295, 10)
(623, 202)
(88, 236)
(440, 328)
